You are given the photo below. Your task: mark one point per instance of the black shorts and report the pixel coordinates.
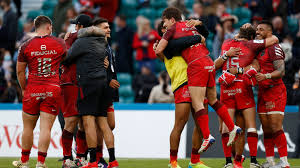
(92, 99)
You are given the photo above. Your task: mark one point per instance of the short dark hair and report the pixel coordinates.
(159, 28)
(266, 22)
(248, 33)
(99, 21)
(6, 1)
(122, 17)
(172, 12)
(41, 20)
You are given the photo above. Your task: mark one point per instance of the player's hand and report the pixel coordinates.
(233, 71)
(202, 39)
(233, 52)
(106, 62)
(260, 77)
(145, 43)
(114, 84)
(155, 45)
(67, 35)
(23, 91)
(227, 78)
(251, 72)
(193, 23)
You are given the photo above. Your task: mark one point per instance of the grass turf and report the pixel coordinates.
(144, 163)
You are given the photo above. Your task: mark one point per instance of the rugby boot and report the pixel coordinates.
(174, 164)
(19, 164)
(113, 164)
(198, 165)
(233, 134)
(207, 143)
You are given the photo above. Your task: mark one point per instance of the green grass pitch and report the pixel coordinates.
(144, 163)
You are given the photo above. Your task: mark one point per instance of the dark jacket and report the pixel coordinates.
(112, 74)
(89, 52)
(8, 31)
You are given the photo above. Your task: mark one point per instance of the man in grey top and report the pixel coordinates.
(88, 51)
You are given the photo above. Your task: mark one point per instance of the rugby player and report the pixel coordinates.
(42, 55)
(182, 97)
(69, 96)
(201, 76)
(112, 88)
(236, 90)
(272, 98)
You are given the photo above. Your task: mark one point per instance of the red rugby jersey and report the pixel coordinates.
(195, 52)
(265, 59)
(43, 55)
(249, 51)
(68, 73)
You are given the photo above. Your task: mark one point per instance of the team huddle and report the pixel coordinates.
(252, 57)
(77, 77)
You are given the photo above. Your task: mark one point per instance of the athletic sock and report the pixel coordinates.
(269, 144)
(42, 156)
(81, 144)
(202, 120)
(252, 138)
(280, 141)
(228, 160)
(25, 155)
(173, 155)
(99, 152)
(222, 112)
(92, 152)
(67, 140)
(195, 156)
(111, 152)
(227, 149)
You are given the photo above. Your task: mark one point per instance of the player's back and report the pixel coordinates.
(43, 55)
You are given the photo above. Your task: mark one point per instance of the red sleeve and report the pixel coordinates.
(63, 44)
(136, 41)
(70, 40)
(257, 45)
(276, 53)
(21, 56)
(157, 37)
(100, 1)
(169, 33)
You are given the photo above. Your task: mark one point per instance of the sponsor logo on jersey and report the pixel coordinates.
(47, 52)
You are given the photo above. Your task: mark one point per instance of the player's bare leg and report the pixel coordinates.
(225, 137)
(222, 112)
(252, 137)
(279, 138)
(46, 123)
(111, 118)
(238, 147)
(182, 111)
(268, 141)
(67, 138)
(108, 137)
(197, 96)
(89, 124)
(29, 123)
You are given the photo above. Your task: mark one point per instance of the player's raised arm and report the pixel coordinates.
(160, 48)
(271, 41)
(232, 52)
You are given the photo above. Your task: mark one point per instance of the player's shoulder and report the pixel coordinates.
(26, 43)
(58, 40)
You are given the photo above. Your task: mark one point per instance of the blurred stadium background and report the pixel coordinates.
(142, 130)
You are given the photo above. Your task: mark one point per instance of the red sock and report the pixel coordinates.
(42, 156)
(280, 141)
(67, 140)
(252, 139)
(238, 158)
(195, 156)
(269, 144)
(202, 120)
(222, 112)
(99, 152)
(25, 155)
(173, 155)
(227, 149)
(81, 144)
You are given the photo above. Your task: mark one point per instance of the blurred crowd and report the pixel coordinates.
(132, 41)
